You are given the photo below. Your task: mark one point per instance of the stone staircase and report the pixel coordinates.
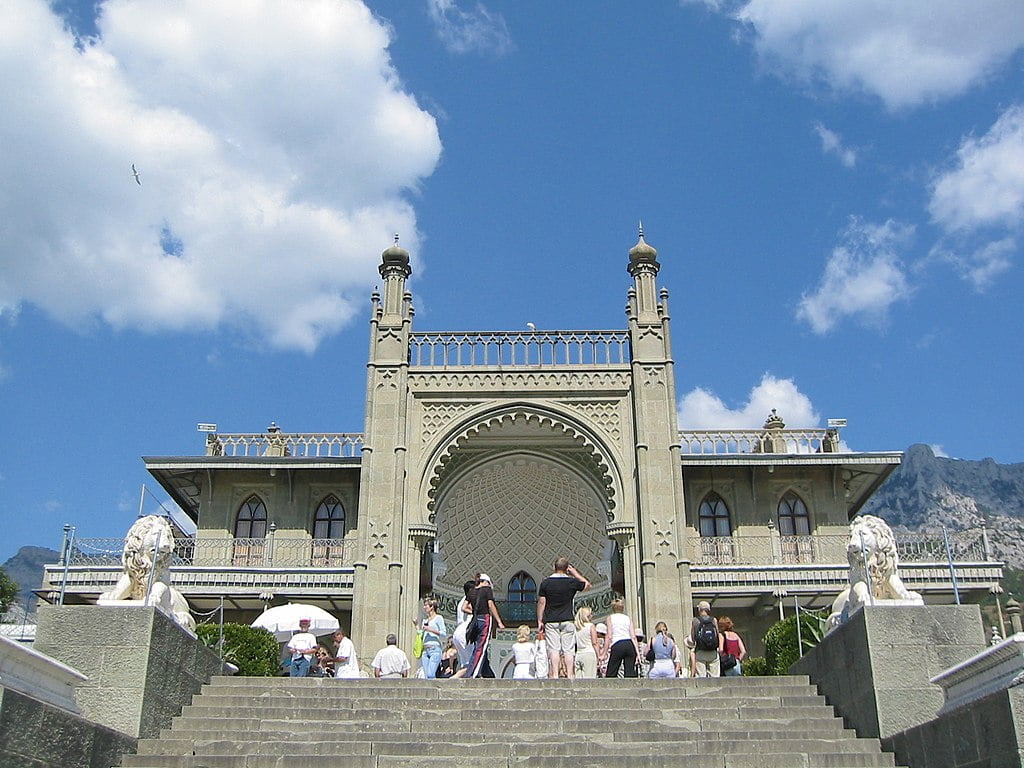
(744, 722)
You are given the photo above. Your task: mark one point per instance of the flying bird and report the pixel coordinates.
(531, 326)
(135, 173)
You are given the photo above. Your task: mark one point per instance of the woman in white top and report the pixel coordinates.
(524, 652)
(463, 616)
(620, 649)
(587, 643)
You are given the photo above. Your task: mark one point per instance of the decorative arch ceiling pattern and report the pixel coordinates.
(515, 512)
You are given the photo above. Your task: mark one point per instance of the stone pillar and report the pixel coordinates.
(876, 668)
(142, 667)
(661, 524)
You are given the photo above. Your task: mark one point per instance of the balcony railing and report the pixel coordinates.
(270, 552)
(736, 441)
(522, 349)
(969, 546)
(301, 445)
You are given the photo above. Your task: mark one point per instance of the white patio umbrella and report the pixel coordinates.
(283, 620)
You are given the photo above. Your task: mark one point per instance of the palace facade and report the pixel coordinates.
(499, 451)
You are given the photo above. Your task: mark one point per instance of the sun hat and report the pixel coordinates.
(601, 628)
(484, 577)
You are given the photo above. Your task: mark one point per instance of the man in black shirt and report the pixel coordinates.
(555, 615)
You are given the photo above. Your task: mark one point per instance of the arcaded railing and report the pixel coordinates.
(522, 349)
(301, 445)
(229, 553)
(965, 546)
(733, 441)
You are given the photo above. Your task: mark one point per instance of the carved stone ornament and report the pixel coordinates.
(379, 540)
(148, 549)
(664, 543)
(871, 553)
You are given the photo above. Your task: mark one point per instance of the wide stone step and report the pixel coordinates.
(774, 760)
(452, 744)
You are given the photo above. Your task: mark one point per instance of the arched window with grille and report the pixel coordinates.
(329, 532)
(522, 598)
(329, 519)
(250, 532)
(795, 529)
(715, 528)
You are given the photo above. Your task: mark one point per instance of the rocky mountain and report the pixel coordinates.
(26, 570)
(927, 492)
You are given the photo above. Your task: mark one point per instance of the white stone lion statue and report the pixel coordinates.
(141, 556)
(871, 540)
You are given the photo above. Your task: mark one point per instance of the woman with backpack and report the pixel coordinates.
(704, 634)
(662, 653)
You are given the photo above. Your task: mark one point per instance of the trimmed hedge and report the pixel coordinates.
(253, 650)
(755, 666)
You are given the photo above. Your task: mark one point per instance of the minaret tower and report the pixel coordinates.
(382, 563)
(665, 593)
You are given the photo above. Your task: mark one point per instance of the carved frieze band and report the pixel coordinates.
(521, 380)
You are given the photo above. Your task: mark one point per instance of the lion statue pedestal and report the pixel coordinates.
(147, 550)
(872, 544)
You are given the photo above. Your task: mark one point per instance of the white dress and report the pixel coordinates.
(524, 654)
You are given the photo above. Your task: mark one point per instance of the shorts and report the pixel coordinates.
(560, 637)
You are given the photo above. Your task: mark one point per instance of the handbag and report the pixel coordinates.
(417, 645)
(726, 661)
(472, 632)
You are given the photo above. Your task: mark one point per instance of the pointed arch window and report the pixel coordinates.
(522, 598)
(250, 532)
(251, 520)
(329, 532)
(329, 519)
(795, 529)
(714, 516)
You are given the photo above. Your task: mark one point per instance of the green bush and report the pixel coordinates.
(252, 649)
(780, 646)
(755, 666)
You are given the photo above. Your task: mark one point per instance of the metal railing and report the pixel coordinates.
(240, 553)
(736, 441)
(830, 549)
(523, 349)
(300, 445)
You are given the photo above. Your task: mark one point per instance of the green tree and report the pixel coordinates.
(252, 649)
(8, 591)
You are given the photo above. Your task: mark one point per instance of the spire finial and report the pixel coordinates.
(641, 229)
(396, 238)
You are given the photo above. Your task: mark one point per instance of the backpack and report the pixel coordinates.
(707, 634)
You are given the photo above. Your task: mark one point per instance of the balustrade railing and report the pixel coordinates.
(301, 445)
(966, 546)
(734, 441)
(519, 349)
(240, 553)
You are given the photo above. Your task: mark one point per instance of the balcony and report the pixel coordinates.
(731, 442)
(302, 445)
(744, 569)
(519, 349)
(242, 571)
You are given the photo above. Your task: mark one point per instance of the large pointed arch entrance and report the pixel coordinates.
(513, 491)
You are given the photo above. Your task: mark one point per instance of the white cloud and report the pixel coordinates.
(702, 409)
(479, 30)
(981, 267)
(275, 144)
(986, 186)
(864, 276)
(832, 143)
(906, 53)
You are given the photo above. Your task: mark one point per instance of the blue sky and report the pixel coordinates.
(836, 190)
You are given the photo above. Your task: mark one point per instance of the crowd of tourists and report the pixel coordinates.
(567, 643)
